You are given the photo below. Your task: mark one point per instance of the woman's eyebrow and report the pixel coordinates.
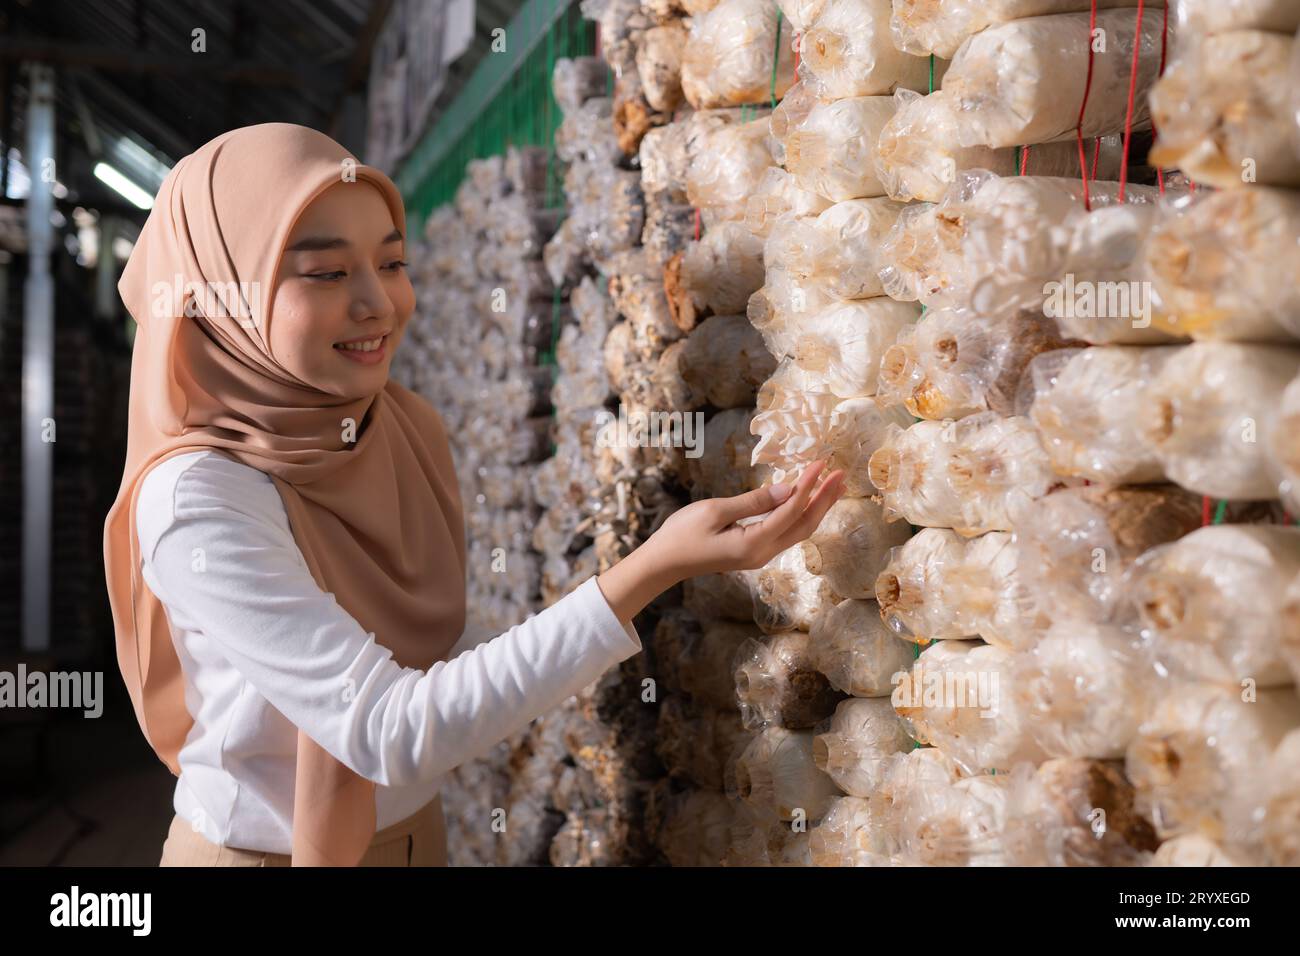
(320, 243)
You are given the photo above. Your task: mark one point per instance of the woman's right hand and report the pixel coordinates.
(703, 538)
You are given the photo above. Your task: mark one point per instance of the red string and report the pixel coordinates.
(697, 223)
(796, 55)
(1024, 159)
(1164, 40)
(1083, 108)
(1132, 91)
(1205, 510)
(1096, 155)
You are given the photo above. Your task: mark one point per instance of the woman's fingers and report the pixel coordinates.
(756, 502)
(830, 491)
(774, 527)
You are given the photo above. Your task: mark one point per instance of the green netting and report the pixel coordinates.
(507, 102)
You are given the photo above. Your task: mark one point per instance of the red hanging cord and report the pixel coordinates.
(1205, 510)
(1132, 92)
(1024, 159)
(697, 223)
(1083, 108)
(1096, 155)
(1164, 43)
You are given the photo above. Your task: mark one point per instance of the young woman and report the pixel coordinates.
(286, 557)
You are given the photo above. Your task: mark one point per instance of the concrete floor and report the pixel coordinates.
(81, 792)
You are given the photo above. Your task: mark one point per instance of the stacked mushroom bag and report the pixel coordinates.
(474, 349)
(700, 263)
(1006, 544)
(1214, 607)
(813, 684)
(603, 498)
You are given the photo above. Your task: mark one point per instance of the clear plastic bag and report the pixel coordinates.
(1284, 446)
(788, 595)
(911, 588)
(856, 652)
(960, 824)
(1216, 16)
(1023, 81)
(1084, 688)
(1282, 810)
(1210, 412)
(1083, 403)
(1104, 295)
(1211, 602)
(776, 197)
(705, 667)
(809, 426)
(1077, 813)
(799, 14)
(1223, 111)
(732, 161)
(845, 343)
(991, 234)
(833, 151)
(850, 834)
(959, 698)
(940, 27)
(776, 773)
(776, 683)
(854, 745)
(724, 268)
(587, 133)
(847, 50)
(1077, 543)
(1214, 263)
(578, 79)
(696, 828)
(851, 545)
(723, 467)
(909, 469)
(918, 154)
(723, 361)
(838, 248)
(725, 595)
(728, 57)
(984, 593)
(1200, 758)
(970, 475)
(659, 64)
(953, 363)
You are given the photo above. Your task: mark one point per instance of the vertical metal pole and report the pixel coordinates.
(106, 300)
(38, 363)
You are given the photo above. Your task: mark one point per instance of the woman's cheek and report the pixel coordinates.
(295, 341)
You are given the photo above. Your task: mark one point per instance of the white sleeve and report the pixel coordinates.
(312, 661)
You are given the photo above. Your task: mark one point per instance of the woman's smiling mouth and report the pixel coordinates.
(367, 351)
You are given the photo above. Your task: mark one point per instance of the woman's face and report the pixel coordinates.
(343, 296)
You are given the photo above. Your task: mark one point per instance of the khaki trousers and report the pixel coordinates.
(419, 840)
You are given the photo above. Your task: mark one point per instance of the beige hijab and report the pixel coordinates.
(222, 217)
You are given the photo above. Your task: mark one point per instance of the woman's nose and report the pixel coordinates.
(369, 300)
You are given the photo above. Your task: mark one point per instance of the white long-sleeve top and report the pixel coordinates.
(265, 651)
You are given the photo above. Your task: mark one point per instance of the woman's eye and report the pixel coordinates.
(399, 264)
(324, 275)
